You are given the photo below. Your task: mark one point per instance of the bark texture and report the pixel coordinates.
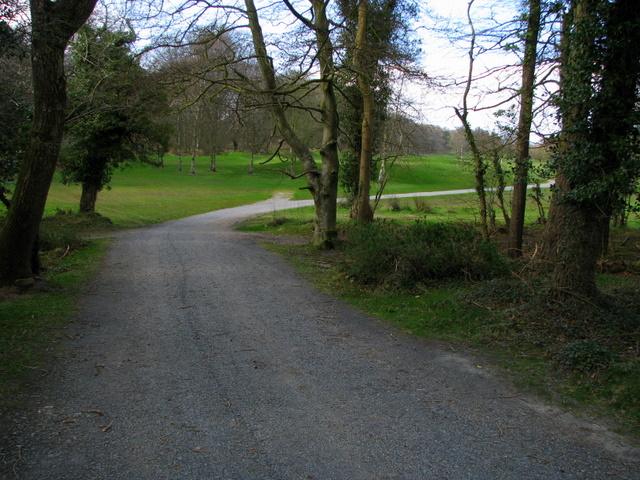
(521, 173)
(361, 209)
(597, 160)
(88, 198)
(53, 24)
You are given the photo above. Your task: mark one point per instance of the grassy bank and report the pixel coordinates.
(32, 322)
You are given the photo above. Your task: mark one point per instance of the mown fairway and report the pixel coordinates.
(143, 194)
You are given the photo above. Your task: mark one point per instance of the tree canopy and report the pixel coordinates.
(116, 111)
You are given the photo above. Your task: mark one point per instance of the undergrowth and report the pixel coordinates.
(419, 253)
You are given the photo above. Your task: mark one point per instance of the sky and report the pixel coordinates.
(446, 62)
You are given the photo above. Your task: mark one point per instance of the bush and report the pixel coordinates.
(423, 206)
(400, 256)
(585, 356)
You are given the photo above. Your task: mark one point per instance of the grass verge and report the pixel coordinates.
(32, 322)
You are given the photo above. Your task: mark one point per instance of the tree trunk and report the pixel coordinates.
(326, 199)
(192, 167)
(323, 184)
(361, 208)
(521, 171)
(479, 167)
(577, 234)
(595, 154)
(213, 160)
(497, 167)
(53, 24)
(382, 173)
(88, 198)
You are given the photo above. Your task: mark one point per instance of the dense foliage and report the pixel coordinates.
(398, 256)
(115, 111)
(15, 104)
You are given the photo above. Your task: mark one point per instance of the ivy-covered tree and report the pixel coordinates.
(376, 41)
(596, 155)
(115, 110)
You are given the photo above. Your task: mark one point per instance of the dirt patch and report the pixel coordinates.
(12, 292)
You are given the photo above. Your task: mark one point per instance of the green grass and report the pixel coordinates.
(32, 323)
(428, 174)
(143, 195)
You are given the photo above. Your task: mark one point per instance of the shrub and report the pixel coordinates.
(423, 206)
(401, 256)
(395, 206)
(585, 356)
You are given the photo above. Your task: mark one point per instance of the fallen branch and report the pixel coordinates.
(98, 412)
(263, 363)
(510, 396)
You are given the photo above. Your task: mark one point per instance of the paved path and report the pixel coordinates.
(199, 355)
(282, 203)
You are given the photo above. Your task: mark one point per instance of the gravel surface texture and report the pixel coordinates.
(199, 355)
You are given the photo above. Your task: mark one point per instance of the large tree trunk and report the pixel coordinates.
(361, 208)
(579, 247)
(572, 245)
(323, 183)
(88, 198)
(521, 173)
(595, 156)
(53, 24)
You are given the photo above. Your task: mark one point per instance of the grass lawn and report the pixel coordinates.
(143, 194)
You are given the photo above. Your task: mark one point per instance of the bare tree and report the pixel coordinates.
(322, 183)
(479, 164)
(522, 160)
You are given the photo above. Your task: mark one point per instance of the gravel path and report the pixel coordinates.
(199, 355)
